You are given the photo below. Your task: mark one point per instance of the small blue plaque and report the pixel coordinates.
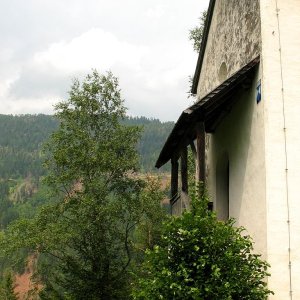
(258, 92)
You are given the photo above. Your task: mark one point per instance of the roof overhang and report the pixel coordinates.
(211, 109)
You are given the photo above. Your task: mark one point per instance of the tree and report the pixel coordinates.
(195, 36)
(148, 231)
(203, 258)
(88, 233)
(196, 33)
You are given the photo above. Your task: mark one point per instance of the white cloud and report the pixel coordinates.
(46, 43)
(28, 105)
(92, 49)
(154, 80)
(5, 86)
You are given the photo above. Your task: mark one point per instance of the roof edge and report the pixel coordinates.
(203, 46)
(187, 116)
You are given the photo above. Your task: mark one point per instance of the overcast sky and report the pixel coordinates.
(45, 43)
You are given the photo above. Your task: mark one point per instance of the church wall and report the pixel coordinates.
(233, 41)
(281, 97)
(240, 137)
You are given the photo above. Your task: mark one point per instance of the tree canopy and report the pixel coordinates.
(87, 232)
(196, 33)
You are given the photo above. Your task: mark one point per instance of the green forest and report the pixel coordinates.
(21, 158)
(22, 138)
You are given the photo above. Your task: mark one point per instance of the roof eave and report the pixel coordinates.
(198, 111)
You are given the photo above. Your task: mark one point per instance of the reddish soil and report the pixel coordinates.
(24, 283)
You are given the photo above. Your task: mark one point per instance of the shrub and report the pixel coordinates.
(201, 257)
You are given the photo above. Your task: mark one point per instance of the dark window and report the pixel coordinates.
(222, 187)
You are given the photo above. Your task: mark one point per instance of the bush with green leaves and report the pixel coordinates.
(201, 257)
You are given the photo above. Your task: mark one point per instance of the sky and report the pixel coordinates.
(44, 44)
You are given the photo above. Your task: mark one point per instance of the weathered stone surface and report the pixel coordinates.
(233, 41)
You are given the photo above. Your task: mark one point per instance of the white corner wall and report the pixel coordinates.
(241, 136)
(280, 30)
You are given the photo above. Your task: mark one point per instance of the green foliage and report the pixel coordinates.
(195, 34)
(20, 144)
(86, 239)
(7, 288)
(22, 192)
(21, 198)
(21, 162)
(22, 138)
(191, 167)
(21, 189)
(90, 158)
(148, 230)
(7, 212)
(154, 135)
(203, 258)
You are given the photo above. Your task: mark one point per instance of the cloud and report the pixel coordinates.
(94, 48)
(42, 105)
(49, 73)
(44, 44)
(153, 80)
(37, 82)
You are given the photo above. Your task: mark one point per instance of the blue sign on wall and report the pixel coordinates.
(258, 92)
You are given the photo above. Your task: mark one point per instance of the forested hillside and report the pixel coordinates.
(153, 137)
(21, 142)
(22, 137)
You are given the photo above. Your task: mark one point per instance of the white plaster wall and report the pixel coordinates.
(234, 39)
(264, 158)
(282, 109)
(241, 135)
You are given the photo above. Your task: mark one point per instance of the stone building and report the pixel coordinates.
(244, 129)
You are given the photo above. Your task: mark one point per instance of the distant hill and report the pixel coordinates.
(21, 170)
(22, 137)
(152, 140)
